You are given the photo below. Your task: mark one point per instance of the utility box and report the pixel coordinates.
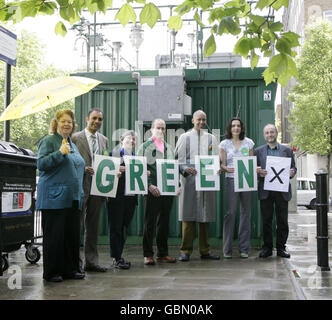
(163, 96)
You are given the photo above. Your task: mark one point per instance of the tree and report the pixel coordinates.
(30, 69)
(255, 32)
(311, 117)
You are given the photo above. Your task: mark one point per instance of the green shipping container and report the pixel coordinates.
(221, 93)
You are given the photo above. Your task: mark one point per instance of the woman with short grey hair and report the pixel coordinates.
(121, 209)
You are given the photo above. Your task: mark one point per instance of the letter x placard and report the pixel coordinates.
(277, 178)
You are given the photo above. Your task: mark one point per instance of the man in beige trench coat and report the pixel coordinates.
(195, 206)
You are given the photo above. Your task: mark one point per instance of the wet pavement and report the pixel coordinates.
(273, 278)
(311, 282)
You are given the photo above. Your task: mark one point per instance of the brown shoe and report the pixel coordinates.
(149, 261)
(167, 259)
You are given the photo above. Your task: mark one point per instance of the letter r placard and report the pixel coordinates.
(105, 180)
(136, 175)
(245, 176)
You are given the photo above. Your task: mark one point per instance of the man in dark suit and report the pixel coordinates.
(271, 199)
(157, 207)
(90, 142)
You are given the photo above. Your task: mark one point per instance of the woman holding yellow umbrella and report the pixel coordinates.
(60, 197)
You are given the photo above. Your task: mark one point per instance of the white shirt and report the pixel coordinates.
(88, 135)
(245, 147)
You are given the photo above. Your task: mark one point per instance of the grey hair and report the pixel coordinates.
(197, 112)
(155, 120)
(271, 124)
(128, 133)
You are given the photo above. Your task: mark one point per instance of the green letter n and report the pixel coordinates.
(242, 171)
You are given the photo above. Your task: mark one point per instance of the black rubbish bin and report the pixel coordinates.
(17, 203)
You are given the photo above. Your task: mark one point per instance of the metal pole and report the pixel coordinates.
(94, 44)
(88, 50)
(7, 99)
(322, 221)
(136, 59)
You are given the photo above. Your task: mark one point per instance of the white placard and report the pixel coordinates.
(277, 178)
(105, 180)
(245, 176)
(167, 176)
(207, 178)
(136, 175)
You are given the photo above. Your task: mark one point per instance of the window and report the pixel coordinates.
(312, 185)
(328, 15)
(302, 185)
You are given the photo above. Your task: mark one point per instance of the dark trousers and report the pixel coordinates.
(156, 210)
(120, 212)
(61, 241)
(275, 200)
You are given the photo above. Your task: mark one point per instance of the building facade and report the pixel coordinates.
(296, 17)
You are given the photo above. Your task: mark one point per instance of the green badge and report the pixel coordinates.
(245, 151)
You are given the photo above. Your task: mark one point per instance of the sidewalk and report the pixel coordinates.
(273, 278)
(311, 283)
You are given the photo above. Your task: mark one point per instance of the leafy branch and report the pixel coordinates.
(258, 33)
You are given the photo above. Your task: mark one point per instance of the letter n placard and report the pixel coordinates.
(245, 176)
(167, 177)
(105, 180)
(136, 175)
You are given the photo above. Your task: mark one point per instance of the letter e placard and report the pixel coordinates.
(136, 175)
(207, 178)
(167, 177)
(105, 180)
(245, 176)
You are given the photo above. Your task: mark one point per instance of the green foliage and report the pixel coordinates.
(175, 22)
(258, 33)
(310, 118)
(30, 69)
(126, 14)
(150, 14)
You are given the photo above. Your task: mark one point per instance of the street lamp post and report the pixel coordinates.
(117, 46)
(136, 39)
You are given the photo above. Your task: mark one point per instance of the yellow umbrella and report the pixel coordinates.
(47, 94)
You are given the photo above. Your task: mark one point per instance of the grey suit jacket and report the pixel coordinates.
(79, 138)
(261, 154)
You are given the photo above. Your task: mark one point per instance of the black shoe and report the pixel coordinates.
(95, 268)
(121, 264)
(283, 254)
(75, 276)
(184, 257)
(81, 270)
(55, 279)
(265, 253)
(210, 256)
